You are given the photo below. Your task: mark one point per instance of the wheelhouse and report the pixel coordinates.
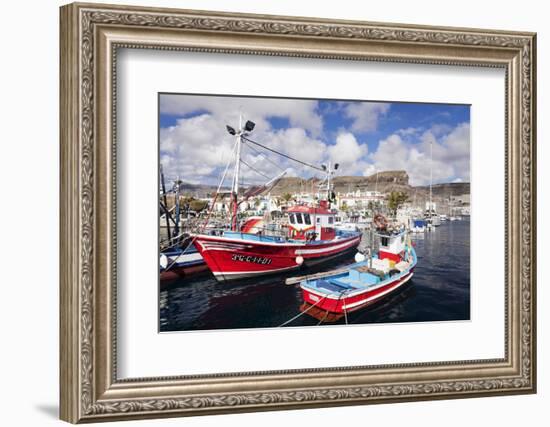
(392, 246)
(311, 223)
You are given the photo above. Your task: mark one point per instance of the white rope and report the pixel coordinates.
(303, 312)
(173, 239)
(323, 319)
(326, 314)
(345, 312)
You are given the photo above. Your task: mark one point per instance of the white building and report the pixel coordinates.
(358, 199)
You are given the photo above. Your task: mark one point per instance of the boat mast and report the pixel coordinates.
(371, 242)
(373, 207)
(431, 176)
(329, 182)
(165, 202)
(328, 169)
(177, 200)
(240, 134)
(235, 189)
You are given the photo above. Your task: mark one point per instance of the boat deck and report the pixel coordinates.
(340, 235)
(359, 277)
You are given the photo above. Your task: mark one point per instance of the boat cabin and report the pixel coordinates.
(392, 246)
(311, 223)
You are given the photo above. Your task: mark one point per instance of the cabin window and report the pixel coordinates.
(291, 218)
(318, 220)
(307, 219)
(384, 241)
(331, 220)
(299, 219)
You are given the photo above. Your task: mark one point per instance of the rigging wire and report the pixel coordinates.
(223, 178)
(283, 155)
(259, 153)
(255, 170)
(168, 267)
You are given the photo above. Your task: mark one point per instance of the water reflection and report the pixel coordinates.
(438, 291)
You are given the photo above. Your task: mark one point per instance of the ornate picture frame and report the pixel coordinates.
(90, 37)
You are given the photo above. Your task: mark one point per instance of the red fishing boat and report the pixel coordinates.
(364, 282)
(252, 250)
(312, 238)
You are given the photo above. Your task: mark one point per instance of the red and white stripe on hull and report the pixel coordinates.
(245, 274)
(338, 303)
(231, 258)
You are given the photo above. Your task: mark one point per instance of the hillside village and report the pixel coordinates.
(353, 194)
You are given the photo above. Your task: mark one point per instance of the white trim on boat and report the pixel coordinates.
(359, 291)
(241, 274)
(381, 294)
(222, 246)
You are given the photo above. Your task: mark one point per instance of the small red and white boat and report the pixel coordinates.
(312, 238)
(365, 282)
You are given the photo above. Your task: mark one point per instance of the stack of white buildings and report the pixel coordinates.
(358, 199)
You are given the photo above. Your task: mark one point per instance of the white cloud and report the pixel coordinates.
(198, 147)
(346, 149)
(410, 131)
(365, 115)
(195, 147)
(450, 154)
(348, 153)
(299, 113)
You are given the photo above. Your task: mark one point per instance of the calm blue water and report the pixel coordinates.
(438, 291)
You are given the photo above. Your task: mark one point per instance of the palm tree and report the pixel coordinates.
(287, 197)
(395, 201)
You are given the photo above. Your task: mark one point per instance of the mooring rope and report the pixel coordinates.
(323, 319)
(345, 312)
(303, 312)
(337, 301)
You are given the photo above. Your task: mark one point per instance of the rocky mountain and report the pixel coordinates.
(198, 190)
(448, 189)
(384, 182)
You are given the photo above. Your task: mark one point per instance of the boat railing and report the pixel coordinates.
(253, 236)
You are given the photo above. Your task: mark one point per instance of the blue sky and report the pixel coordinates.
(364, 137)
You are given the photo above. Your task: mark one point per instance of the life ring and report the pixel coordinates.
(380, 221)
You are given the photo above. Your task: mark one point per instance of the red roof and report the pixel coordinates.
(309, 210)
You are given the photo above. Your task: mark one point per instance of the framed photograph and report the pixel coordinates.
(267, 212)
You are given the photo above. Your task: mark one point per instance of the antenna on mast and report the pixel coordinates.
(239, 135)
(329, 171)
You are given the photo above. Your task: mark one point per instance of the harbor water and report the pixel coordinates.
(438, 291)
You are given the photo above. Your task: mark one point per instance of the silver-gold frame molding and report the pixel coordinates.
(90, 37)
